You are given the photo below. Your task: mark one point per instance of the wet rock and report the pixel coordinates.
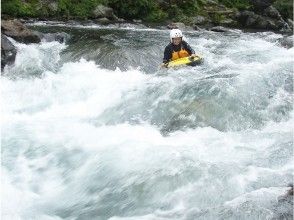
(228, 22)
(219, 14)
(8, 52)
(249, 19)
(121, 20)
(137, 21)
(219, 29)
(103, 21)
(290, 23)
(16, 30)
(199, 20)
(290, 191)
(272, 12)
(261, 5)
(287, 41)
(102, 11)
(284, 208)
(60, 37)
(176, 25)
(197, 28)
(179, 25)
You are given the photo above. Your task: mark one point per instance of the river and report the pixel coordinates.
(93, 129)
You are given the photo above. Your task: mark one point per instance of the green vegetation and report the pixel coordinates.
(285, 7)
(147, 10)
(239, 4)
(131, 9)
(17, 8)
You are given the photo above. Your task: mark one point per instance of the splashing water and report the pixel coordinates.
(92, 129)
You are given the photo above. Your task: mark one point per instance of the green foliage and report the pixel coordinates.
(147, 10)
(217, 18)
(66, 8)
(174, 12)
(76, 8)
(179, 10)
(132, 9)
(285, 7)
(239, 4)
(18, 8)
(156, 15)
(189, 7)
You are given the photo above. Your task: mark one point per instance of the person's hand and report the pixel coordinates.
(163, 65)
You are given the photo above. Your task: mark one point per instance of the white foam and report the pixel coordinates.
(64, 161)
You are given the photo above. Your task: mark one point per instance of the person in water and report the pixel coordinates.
(177, 48)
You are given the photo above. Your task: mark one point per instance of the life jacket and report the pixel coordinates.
(179, 54)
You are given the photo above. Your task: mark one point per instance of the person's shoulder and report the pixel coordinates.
(185, 43)
(169, 46)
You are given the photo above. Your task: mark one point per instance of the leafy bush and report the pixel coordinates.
(18, 9)
(285, 7)
(239, 4)
(147, 10)
(189, 7)
(76, 8)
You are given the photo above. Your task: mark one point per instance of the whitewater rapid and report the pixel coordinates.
(84, 140)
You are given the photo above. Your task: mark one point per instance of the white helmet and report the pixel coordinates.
(175, 33)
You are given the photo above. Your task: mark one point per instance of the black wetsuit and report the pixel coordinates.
(170, 48)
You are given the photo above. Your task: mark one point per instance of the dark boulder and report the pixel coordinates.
(8, 52)
(16, 30)
(272, 12)
(219, 29)
(286, 41)
(261, 5)
(60, 37)
(249, 19)
(283, 209)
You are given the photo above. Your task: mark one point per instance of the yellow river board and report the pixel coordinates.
(184, 61)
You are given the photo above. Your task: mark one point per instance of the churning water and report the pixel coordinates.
(93, 129)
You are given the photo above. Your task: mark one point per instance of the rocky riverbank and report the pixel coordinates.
(257, 14)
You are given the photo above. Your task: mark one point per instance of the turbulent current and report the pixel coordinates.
(93, 129)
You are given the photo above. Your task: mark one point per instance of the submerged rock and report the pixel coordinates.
(284, 207)
(137, 20)
(287, 41)
(60, 37)
(8, 52)
(19, 32)
(219, 29)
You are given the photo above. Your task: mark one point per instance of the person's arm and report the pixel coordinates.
(167, 54)
(189, 49)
